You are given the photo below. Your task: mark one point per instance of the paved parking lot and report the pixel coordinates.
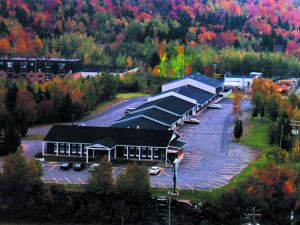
(53, 174)
(211, 158)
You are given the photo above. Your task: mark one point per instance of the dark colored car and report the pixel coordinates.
(79, 166)
(66, 166)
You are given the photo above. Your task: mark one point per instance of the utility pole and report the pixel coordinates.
(281, 135)
(172, 194)
(253, 215)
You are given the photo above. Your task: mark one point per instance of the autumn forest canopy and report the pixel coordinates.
(109, 32)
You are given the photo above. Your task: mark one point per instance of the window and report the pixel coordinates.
(131, 150)
(74, 149)
(125, 151)
(68, 148)
(62, 148)
(48, 64)
(156, 153)
(55, 147)
(61, 65)
(23, 64)
(31, 64)
(48, 70)
(144, 152)
(149, 153)
(9, 64)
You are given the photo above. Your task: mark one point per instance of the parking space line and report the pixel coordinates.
(68, 180)
(54, 166)
(213, 186)
(55, 180)
(189, 186)
(166, 173)
(81, 181)
(162, 184)
(114, 168)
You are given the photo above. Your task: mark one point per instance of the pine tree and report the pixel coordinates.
(11, 97)
(101, 182)
(11, 137)
(22, 123)
(238, 129)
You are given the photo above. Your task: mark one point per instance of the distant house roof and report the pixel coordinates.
(170, 103)
(142, 123)
(199, 95)
(239, 76)
(154, 113)
(202, 78)
(109, 135)
(107, 69)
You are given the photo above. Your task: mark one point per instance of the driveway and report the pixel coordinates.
(106, 118)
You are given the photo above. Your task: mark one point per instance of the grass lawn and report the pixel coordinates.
(119, 98)
(33, 137)
(229, 96)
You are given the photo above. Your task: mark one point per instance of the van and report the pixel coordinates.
(128, 110)
(214, 106)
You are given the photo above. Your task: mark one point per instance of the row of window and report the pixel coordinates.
(24, 64)
(145, 152)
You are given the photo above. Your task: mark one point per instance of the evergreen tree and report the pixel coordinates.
(11, 97)
(20, 186)
(238, 129)
(134, 183)
(272, 108)
(101, 182)
(11, 137)
(22, 123)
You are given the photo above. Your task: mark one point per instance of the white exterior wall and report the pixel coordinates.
(191, 82)
(163, 95)
(238, 82)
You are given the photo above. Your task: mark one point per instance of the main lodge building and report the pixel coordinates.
(116, 143)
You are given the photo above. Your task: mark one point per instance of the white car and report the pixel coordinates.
(192, 121)
(154, 170)
(214, 106)
(93, 167)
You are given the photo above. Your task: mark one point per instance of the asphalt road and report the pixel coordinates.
(105, 118)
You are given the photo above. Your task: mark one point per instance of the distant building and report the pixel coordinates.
(38, 69)
(243, 82)
(92, 71)
(178, 100)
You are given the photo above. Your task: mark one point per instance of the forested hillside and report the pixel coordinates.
(120, 32)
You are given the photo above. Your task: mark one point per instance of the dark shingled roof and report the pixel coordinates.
(153, 113)
(142, 123)
(106, 142)
(197, 94)
(121, 136)
(170, 103)
(177, 144)
(202, 78)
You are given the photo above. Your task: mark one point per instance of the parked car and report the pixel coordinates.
(66, 166)
(128, 110)
(93, 167)
(214, 106)
(79, 166)
(192, 121)
(154, 170)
